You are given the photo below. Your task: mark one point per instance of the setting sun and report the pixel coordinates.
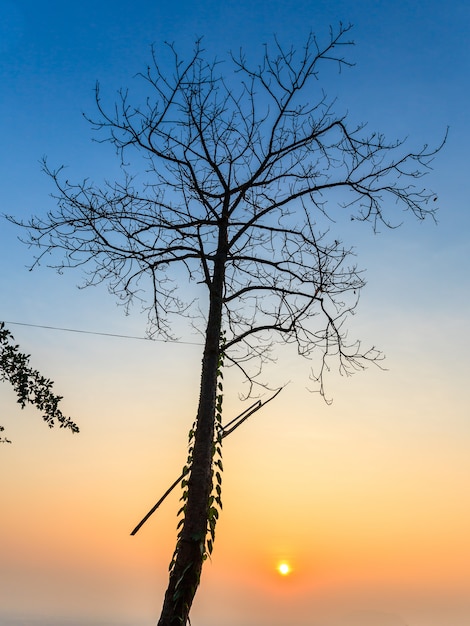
(283, 569)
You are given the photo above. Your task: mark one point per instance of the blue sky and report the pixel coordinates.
(410, 79)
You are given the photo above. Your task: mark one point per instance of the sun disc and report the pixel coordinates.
(283, 569)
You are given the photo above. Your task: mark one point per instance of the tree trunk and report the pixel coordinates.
(186, 572)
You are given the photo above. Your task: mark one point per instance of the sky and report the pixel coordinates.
(366, 499)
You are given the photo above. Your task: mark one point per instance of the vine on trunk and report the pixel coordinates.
(215, 499)
(214, 504)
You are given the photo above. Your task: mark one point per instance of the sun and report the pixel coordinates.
(283, 569)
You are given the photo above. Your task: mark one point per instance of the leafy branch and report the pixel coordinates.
(30, 386)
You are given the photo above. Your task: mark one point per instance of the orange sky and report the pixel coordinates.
(368, 503)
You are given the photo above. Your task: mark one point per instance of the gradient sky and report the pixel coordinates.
(367, 499)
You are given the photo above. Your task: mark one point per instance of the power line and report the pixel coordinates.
(92, 332)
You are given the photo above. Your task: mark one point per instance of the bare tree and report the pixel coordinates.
(246, 167)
